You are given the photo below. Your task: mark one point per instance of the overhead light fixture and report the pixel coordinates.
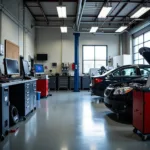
(61, 10)
(140, 12)
(122, 28)
(104, 12)
(93, 29)
(63, 29)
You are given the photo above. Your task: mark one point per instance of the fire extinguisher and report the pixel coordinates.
(73, 66)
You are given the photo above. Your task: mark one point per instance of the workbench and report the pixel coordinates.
(21, 94)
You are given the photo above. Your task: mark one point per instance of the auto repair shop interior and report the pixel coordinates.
(74, 74)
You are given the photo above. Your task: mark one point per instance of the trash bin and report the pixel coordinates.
(38, 95)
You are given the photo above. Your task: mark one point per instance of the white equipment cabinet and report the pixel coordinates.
(122, 60)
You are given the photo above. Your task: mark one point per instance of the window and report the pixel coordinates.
(94, 57)
(116, 73)
(145, 71)
(138, 42)
(128, 72)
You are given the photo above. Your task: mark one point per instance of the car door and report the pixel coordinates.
(128, 74)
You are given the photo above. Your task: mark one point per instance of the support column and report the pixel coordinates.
(76, 61)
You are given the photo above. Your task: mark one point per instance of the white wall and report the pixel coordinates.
(60, 47)
(12, 28)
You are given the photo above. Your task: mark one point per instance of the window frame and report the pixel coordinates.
(94, 56)
(134, 45)
(143, 67)
(131, 67)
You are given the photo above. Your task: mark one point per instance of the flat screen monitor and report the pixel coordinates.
(25, 65)
(54, 64)
(42, 57)
(11, 66)
(39, 69)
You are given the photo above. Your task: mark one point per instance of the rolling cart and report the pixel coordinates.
(141, 110)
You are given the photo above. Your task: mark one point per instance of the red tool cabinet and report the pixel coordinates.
(42, 86)
(141, 112)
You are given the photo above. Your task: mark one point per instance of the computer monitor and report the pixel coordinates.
(54, 64)
(25, 65)
(39, 69)
(11, 66)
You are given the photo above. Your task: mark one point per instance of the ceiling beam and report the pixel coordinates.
(112, 1)
(111, 13)
(117, 1)
(123, 6)
(135, 8)
(30, 11)
(99, 22)
(100, 10)
(33, 6)
(80, 17)
(73, 16)
(78, 12)
(42, 10)
(50, 1)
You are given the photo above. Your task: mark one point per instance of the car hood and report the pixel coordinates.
(145, 52)
(141, 80)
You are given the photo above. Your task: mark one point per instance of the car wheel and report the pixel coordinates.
(144, 137)
(14, 115)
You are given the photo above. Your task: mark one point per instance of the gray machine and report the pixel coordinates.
(63, 82)
(72, 83)
(85, 82)
(52, 82)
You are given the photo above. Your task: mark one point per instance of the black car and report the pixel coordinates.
(118, 97)
(122, 74)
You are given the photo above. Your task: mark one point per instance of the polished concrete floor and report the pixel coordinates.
(69, 121)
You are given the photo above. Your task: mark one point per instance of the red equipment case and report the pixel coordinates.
(42, 86)
(141, 112)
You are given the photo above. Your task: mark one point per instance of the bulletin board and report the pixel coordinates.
(11, 50)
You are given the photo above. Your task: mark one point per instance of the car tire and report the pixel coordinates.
(13, 115)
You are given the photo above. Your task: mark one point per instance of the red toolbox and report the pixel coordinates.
(42, 86)
(141, 112)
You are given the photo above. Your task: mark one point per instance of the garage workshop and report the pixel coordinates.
(74, 74)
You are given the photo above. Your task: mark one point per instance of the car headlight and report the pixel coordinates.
(123, 90)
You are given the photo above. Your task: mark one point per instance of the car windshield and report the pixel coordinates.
(145, 71)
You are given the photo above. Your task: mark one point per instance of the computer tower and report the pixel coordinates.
(4, 111)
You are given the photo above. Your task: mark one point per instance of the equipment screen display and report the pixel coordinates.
(12, 66)
(54, 64)
(39, 68)
(26, 67)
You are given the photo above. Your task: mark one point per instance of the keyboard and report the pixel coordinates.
(15, 79)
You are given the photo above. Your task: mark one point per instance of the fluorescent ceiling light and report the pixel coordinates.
(122, 28)
(93, 29)
(140, 12)
(104, 12)
(63, 29)
(61, 10)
